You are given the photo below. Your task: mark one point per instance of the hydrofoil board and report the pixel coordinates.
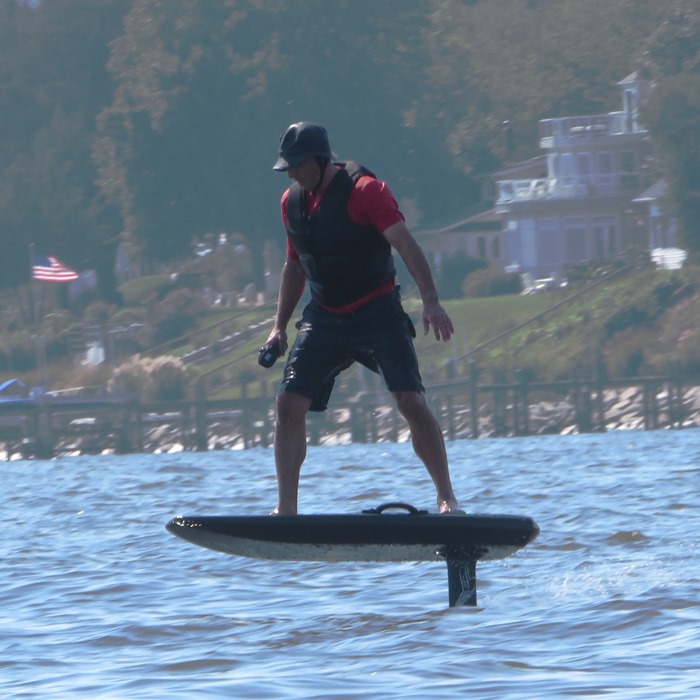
(380, 534)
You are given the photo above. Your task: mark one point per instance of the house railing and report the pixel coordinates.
(588, 126)
(580, 187)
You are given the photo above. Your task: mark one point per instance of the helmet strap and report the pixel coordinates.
(322, 165)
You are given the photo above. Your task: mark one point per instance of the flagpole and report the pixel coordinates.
(39, 345)
(32, 309)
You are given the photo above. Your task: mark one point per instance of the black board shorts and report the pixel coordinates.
(379, 336)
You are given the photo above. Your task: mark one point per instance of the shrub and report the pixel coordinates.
(672, 290)
(626, 316)
(125, 317)
(624, 355)
(687, 351)
(491, 283)
(57, 348)
(19, 352)
(132, 377)
(455, 270)
(168, 378)
(99, 313)
(176, 314)
(161, 378)
(142, 289)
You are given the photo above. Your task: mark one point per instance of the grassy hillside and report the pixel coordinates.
(643, 321)
(476, 320)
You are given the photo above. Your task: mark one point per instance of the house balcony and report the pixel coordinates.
(519, 191)
(587, 130)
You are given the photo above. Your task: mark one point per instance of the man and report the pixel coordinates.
(342, 224)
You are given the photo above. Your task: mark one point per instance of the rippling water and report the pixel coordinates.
(97, 600)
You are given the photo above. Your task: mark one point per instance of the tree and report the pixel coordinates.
(672, 114)
(49, 198)
(455, 270)
(53, 82)
(152, 122)
(205, 89)
(496, 68)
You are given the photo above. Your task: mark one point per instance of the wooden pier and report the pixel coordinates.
(45, 426)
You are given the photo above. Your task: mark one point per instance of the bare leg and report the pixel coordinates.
(429, 445)
(290, 449)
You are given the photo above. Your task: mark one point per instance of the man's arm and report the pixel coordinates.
(406, 246)
(291, 288)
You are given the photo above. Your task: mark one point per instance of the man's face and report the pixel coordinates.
(306, 174)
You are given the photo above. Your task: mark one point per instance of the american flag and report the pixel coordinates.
(48, 269)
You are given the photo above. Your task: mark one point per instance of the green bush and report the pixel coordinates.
(57, 348)
(624, 355)
(176, 314)
(99, 313)
(143, 289)
(125, 317)
(491, 283)
(672, 290)
(18, 353)
(168, 378)
(627, 316)
(688, 352)
(456, 268)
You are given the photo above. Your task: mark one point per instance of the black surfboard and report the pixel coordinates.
(378, 534)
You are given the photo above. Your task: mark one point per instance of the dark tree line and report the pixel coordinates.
(150, 123)
(53, 82)
(672, 61)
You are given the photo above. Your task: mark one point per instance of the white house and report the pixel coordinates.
(586, 198)
(480, 234)
(581, 210)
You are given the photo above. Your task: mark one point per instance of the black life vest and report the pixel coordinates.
(343, 261)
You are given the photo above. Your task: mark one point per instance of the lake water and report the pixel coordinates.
(97, 600)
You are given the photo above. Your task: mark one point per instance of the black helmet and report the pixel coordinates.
(301, 141)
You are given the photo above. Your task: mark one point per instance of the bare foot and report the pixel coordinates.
(278, 511)
(450, 508)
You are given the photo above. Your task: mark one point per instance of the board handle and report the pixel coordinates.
(393, 505)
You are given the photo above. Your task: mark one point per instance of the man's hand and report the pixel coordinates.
(278, 337)
(434, 315)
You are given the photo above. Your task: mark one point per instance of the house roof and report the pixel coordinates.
(657, 190)
(487, 220)
(632, 77)
(532, 168)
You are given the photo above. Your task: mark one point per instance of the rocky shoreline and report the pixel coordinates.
(624, 409)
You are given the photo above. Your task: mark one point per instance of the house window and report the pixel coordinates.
(528, 243)
(627, 162)
(513, 243)
(481, 242)
(606, 236)
(496, 247)
(575, 235)
(604, 163)
(549, 242)
(583, 164)
(629, 179)
(630, 104)
(566, 169)
(521, 243)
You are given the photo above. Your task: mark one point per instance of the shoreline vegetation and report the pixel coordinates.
(617, 352)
